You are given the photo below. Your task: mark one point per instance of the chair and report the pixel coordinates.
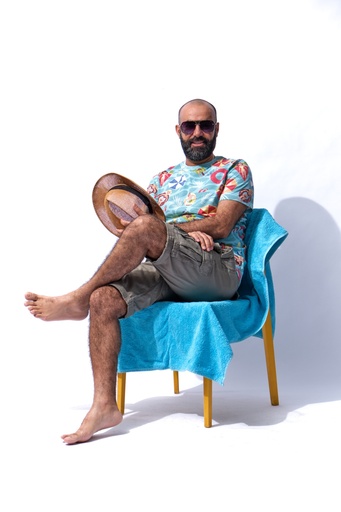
(197, 336)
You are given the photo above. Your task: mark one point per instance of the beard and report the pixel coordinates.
(198, 154)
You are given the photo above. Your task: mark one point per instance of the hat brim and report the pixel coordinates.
(100, 190)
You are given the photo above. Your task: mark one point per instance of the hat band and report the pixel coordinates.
(143, 198)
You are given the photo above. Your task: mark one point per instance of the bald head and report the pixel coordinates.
(199, 102)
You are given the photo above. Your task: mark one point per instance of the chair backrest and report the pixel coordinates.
(262, 238)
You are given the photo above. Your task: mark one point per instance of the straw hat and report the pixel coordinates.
(114, 198)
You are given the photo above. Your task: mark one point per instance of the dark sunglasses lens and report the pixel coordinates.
(207, 126)
(188, 127)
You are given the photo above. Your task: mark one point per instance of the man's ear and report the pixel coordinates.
(177, 129)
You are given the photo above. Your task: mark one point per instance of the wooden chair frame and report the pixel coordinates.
(207, 383)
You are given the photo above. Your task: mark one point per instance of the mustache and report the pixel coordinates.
(199, 139)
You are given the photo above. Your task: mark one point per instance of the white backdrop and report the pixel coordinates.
(93, 86)
(90, 87)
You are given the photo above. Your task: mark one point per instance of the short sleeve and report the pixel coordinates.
(239, 184)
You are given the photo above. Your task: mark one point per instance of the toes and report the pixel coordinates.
(75, 438)
(30, 296)
(70, 438)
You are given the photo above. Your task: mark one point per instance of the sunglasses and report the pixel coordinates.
(188, 127)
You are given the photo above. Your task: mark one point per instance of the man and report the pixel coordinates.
(197, 254)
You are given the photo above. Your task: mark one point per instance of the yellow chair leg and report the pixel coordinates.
(207, 385)
(176, 382)
(121, 391)
(270, 360)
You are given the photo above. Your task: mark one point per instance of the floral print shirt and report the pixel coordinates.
(188, 193)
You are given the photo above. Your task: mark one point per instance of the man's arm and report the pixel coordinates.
(206, 230)
(221, 224)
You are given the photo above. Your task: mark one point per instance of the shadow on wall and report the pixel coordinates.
(307, 278)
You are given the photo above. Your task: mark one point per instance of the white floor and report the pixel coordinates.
(255, 456)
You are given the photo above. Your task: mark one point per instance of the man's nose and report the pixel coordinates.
(197, 130)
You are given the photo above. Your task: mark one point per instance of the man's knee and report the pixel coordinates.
(149, 232)
(149, 224)
(107, 300)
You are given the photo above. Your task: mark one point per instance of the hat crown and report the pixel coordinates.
(132, 190)
(119, 203)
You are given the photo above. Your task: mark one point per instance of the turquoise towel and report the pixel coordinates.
(197, 336)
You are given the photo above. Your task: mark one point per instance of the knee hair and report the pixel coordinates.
(148, 223)
(107, 300)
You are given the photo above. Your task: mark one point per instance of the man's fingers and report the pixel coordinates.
(206, 241)
(138, 210)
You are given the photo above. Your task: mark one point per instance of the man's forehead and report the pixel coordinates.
(198, 110)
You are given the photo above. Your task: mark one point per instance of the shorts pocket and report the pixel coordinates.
(227, 258)
(190, 253)
(186, 247)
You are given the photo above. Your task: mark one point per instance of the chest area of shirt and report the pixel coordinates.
(201, 180)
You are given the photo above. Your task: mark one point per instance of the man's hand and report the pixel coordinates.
(206, 241)
(126, 223)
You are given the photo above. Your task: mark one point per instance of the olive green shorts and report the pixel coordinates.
(183, 272)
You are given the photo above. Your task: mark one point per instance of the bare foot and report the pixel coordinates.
(94, 421)
(64, 307)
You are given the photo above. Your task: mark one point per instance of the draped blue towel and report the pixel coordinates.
(197, 336)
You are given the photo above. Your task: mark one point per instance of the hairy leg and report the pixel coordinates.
(145, 236)
(106, 306)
